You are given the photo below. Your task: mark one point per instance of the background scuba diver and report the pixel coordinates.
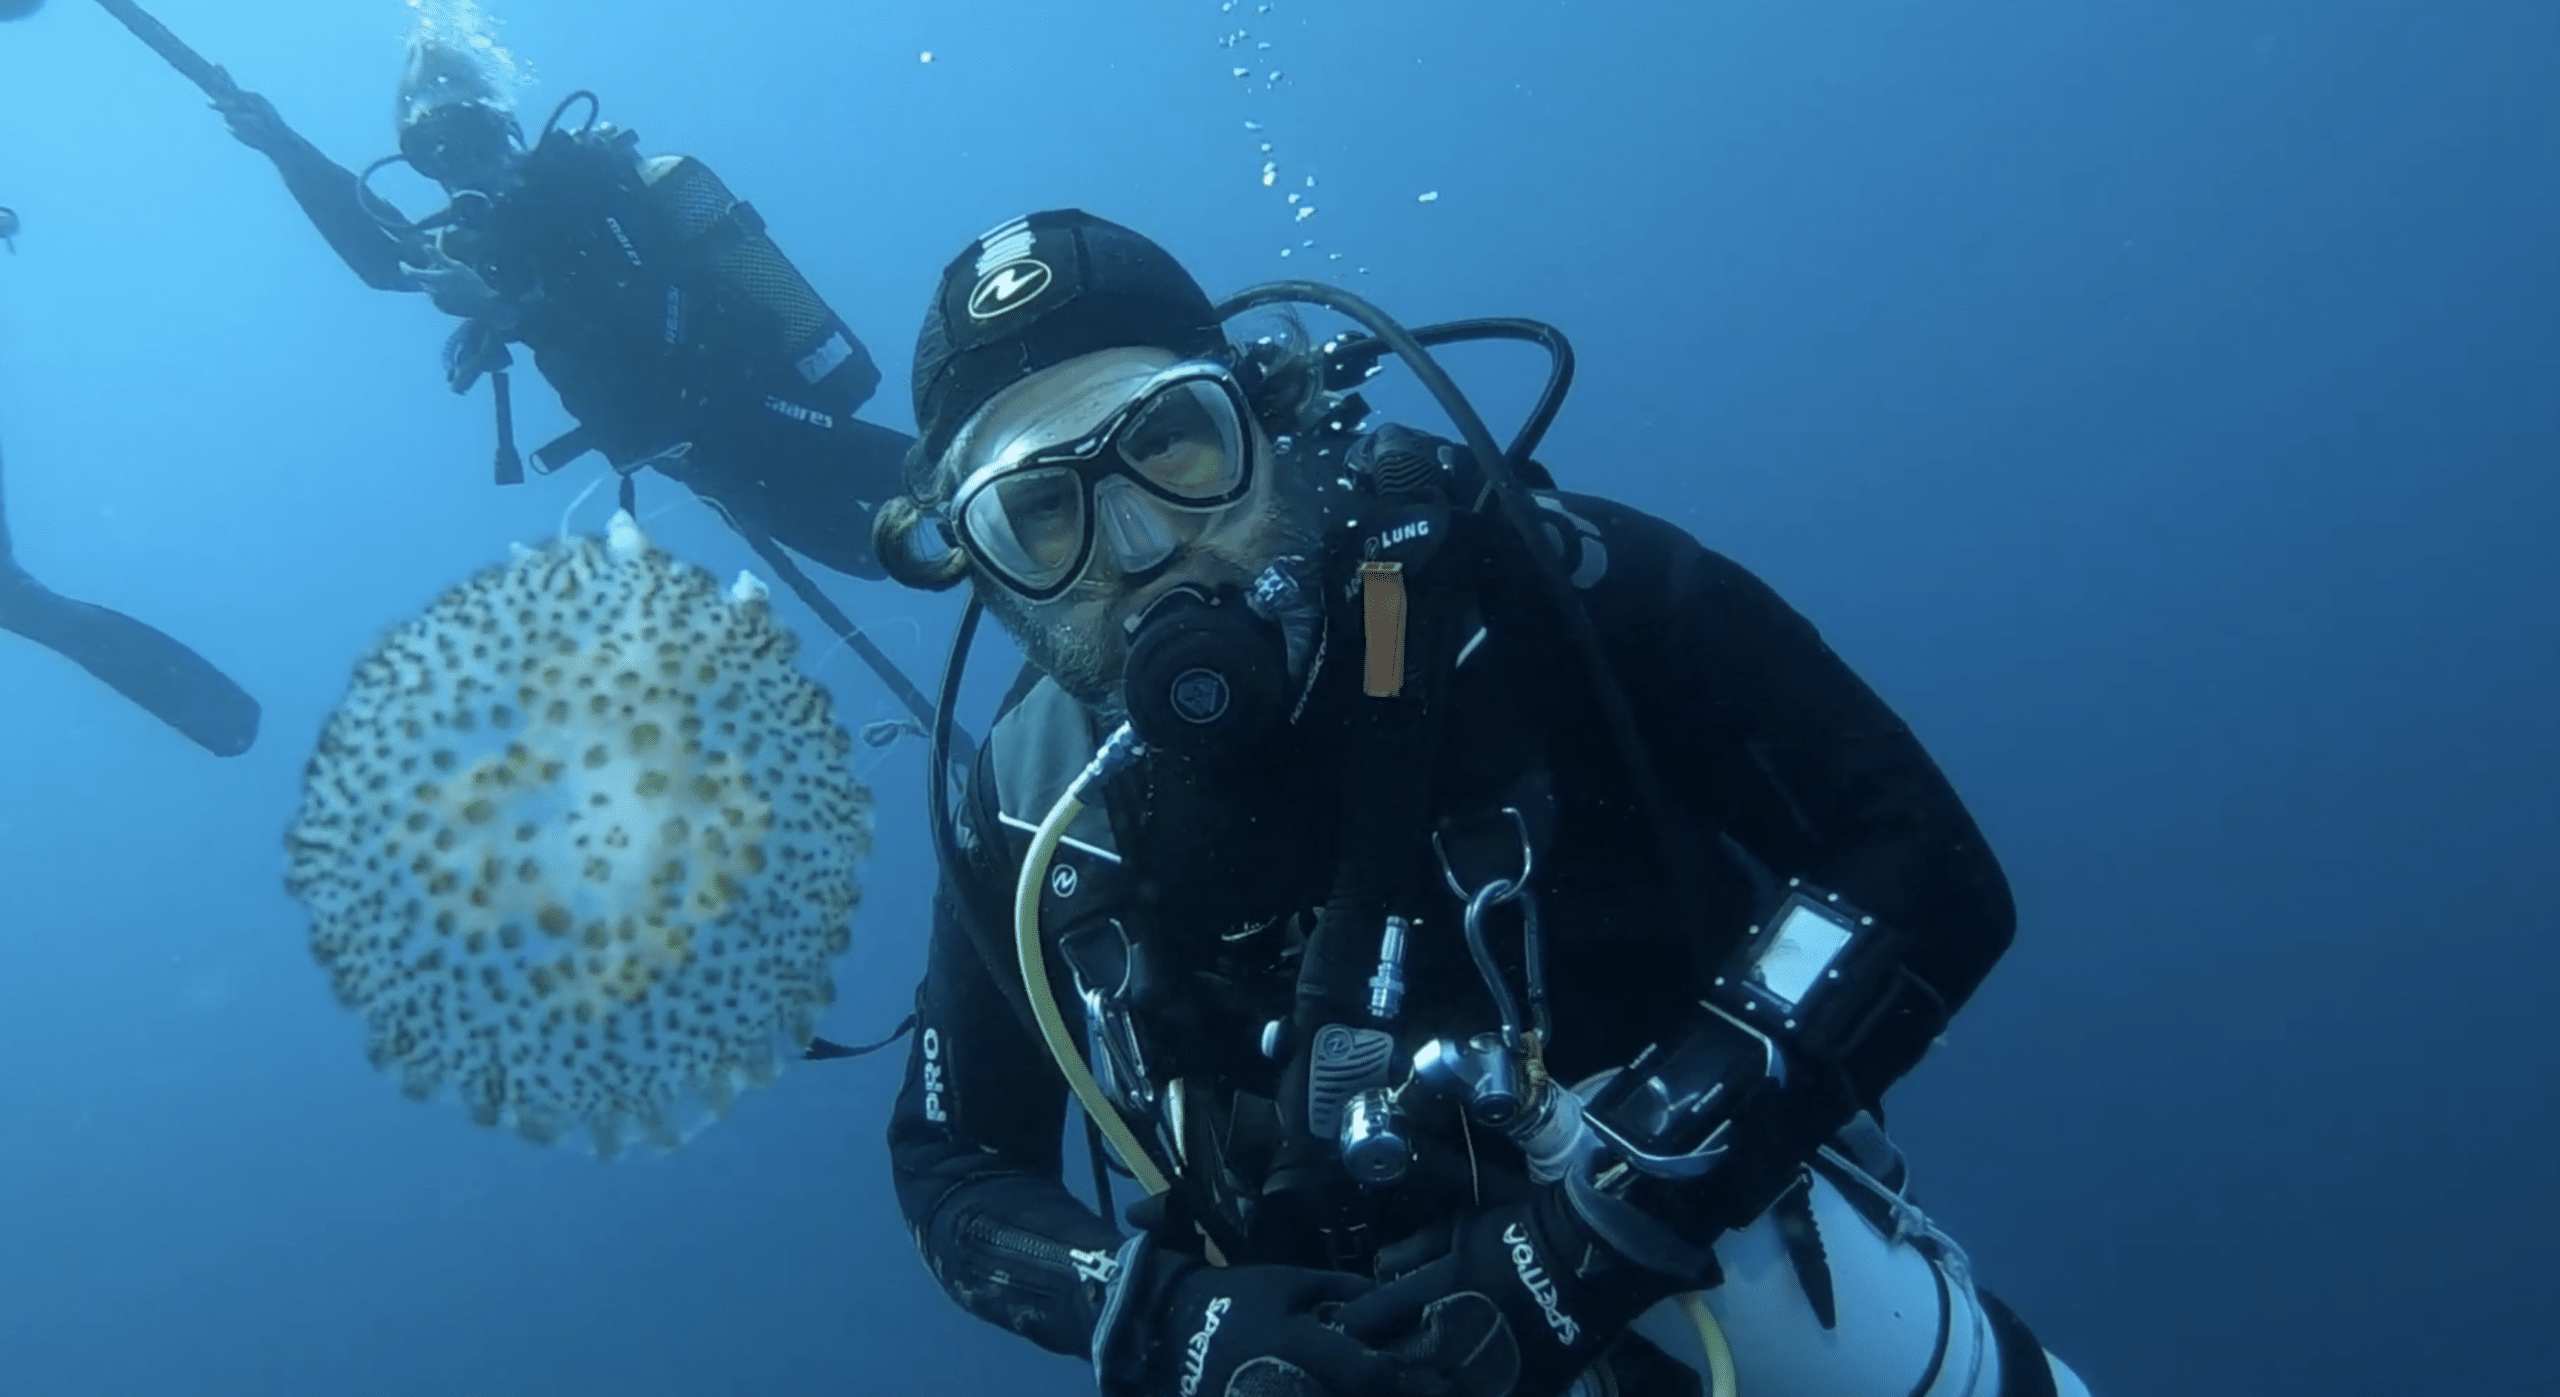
(1351, 698)
(671, 327)
(170, 681)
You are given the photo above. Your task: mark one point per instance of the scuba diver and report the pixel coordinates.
(652, 300)
(1483, 921)
(171, 682)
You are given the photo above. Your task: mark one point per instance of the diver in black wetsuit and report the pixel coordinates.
(170, 681)
(673, 330)
(1486, 933)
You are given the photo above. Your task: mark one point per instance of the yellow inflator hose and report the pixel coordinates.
(1720, 1379)
(1035, 966)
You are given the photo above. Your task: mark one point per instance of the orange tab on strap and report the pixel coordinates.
(1382, 620)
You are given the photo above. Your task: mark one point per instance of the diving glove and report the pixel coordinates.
(1172, 1324)
(1519, 1302)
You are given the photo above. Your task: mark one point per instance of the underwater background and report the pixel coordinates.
(2157, 401)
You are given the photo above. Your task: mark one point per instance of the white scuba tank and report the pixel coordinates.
(1910, 1323)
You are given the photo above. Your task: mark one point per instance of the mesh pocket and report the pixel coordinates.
(773, 304)
(695, 199)
(757, 270)
(746, 263)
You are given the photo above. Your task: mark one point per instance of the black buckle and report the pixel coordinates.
(1352, 1247)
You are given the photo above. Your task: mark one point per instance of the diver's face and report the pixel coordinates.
(463, 147)
(1080, 637)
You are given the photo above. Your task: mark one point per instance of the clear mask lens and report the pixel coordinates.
(1030, 526)
(1185, 443)
(1178, 448)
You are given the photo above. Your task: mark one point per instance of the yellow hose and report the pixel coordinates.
(1720, 1379)
(1044, 1005)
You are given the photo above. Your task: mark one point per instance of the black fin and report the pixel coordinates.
(169, 681)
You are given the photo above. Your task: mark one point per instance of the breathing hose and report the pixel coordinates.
(1720, 1377)
(1117, 752)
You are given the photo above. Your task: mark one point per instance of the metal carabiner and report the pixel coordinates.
(1514, 886)
(1484, 899)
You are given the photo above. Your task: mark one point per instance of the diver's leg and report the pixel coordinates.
(170, 681)
(8, 554)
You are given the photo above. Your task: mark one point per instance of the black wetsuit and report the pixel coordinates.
(670, 326)
(168, 680)
(1757, 729)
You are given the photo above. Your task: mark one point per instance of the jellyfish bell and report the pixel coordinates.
(579, 845)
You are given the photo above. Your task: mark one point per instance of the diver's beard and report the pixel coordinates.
(1083, 659)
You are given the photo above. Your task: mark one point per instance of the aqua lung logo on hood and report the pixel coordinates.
(1009, 288)
(1009, 277)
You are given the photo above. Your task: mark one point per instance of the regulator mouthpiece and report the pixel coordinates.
(1205, 675)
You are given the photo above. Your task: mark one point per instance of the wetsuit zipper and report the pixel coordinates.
(983, 1230)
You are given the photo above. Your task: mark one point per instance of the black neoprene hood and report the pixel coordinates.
(1038, 291)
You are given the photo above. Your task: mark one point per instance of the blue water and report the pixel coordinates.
(2159, 403)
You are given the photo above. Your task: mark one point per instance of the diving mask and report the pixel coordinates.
(463, 144)
(1119, 453)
